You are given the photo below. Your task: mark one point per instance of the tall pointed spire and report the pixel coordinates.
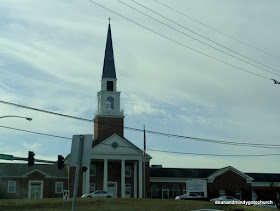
(109, 64)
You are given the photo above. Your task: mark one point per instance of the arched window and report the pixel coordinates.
(165, 192)
(185, 190)
(110, 103)
(175, 191)
(154, 192)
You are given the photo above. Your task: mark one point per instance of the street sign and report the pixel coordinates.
(87, 147)
(66, 195)
(6, 157)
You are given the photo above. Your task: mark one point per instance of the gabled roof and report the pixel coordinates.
(109, 63)
(22, 170)
(221, 171)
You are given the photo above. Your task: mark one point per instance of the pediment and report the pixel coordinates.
(116, 145)
(219, 172)
(35, 171)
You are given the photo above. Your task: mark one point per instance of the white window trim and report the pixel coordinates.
(94, 167)
(56, 185)
(89, 187)
(128, 186)
(15, 185)
(41, 187)
(128, 175)
(224, 192)
(154, 188)
(177, 189)
(165, 188)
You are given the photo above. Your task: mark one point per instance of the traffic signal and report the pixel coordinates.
(31, 158)
(60, 162)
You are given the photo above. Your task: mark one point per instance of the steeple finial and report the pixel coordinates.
(109, 20)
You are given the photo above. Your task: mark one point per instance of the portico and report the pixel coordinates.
(117, 162)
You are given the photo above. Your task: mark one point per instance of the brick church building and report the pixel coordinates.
(118, 166)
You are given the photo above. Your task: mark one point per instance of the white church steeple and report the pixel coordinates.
(108, 97)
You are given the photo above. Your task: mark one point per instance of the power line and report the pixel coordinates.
(219, 155)
(235, 57)
(192, 153)
(244, 43)
(179, 43)
(45, 111)
(38, 133)
(246, 144)
(155, 150)
(200, 35)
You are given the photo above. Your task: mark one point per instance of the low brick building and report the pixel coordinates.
(40, 181)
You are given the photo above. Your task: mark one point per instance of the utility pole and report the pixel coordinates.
(78, 169)
(144, 170)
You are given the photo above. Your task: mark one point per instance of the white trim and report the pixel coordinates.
(90, 185)
(265, 184)
(92, 166)
(56, 184)
(41, 186)
(128, 175)
(128, 195)
(177, 189)
(116, 157)
(14, 186)
(173, 179)
(28, 173)
(219, 172)
(154, 187)
(116, 187)
(165, 188)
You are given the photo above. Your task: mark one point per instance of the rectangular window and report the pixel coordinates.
(11, 186)
(128, 171)
(127, 189)
(92, 170)
(91, 187)
(110, 86)
(59, 187)
(222, 192)
(238, 194)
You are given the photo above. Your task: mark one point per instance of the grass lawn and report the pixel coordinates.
(117, 204)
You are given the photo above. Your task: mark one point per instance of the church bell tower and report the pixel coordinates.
(108, 119)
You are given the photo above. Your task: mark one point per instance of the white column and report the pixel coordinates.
(140, 179)
(105, 178)
(135, 179)
(123, 179)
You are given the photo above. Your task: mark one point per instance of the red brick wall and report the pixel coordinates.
(230, 182)
(22, 185)
(104, 127)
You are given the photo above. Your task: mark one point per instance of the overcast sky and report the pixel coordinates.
(51, 57)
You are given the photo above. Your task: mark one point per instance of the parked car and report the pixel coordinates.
(272, 206)
(98, 193)
(191, 195)
(224, 198)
